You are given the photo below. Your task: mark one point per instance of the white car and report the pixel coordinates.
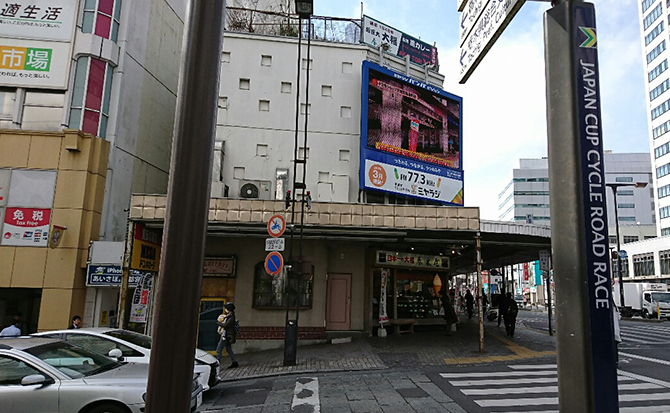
(135, 347)
(40, 374)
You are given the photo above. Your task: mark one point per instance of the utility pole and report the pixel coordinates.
(181, 264)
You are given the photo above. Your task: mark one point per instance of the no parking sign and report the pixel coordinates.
(274, 263)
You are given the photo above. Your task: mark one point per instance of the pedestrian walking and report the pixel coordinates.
(469, 303)
(449, 314)
(226, 323)
(485, 302)
(76, 323)
(12, 331)
(510, 315)
(502, 308)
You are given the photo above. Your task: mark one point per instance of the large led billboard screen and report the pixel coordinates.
(411, 137)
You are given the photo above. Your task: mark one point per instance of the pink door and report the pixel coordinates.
(338, 304)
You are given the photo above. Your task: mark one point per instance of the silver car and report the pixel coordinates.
(135, 347)
(51, 376)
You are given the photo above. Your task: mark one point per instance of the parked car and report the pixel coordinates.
(135, 347)
(40, 374)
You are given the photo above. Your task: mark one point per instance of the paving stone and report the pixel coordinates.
(365, 406)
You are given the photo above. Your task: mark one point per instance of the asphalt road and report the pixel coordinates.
(516, 386)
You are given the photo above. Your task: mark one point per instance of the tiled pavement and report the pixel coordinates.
(421, 349)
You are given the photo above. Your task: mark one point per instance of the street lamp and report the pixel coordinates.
(614, 187)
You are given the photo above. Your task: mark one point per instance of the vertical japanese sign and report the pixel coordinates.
(376, 33)
(141, 298)
(383, 317)
(587, 82)
(35, 42)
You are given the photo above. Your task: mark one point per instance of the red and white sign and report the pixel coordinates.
(276, 226)
(26, 227)
(526, 272)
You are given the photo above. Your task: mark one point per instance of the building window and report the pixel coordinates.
(626, 205)
(660, 109)
(661, 129)
(624, 192)
(658, 70)
(7, 100)
(89, 108)
(663, 191)
(630, 238)
(643, 265)
(102, 18)
(274, 291)
(627, 219)
(655, 52)
(646, 4)
(664, 213)
(659, 90)
(652, 16)
(624, 267)
(663, 170)
(664, 257)
(517, 193)
(623, 179)
(662, 150)
(665, 231)
(654, 33)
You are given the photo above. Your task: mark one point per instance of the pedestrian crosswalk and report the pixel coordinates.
(643, 333)
(534, 389)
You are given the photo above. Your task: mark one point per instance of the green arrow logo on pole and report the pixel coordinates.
(591, 38)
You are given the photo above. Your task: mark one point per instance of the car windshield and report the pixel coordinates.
(131, 337)
(661, 297)
(518, 297)
(75, 362)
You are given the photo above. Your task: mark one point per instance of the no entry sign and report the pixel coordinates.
(274, 263)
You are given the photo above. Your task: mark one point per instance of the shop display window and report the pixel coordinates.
(416, 294)
(272, 292)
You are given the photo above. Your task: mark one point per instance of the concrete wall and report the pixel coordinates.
(81, 164)
(143, 106)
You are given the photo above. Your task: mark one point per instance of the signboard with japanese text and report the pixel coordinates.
(110, 276)
(38, 19)
(139, 307)
(482, 23)
(411, 137)
(34, 63)
(383, 316)
(219, 267)
(146, 249)
(26, 227)
(403, 259)
(399, 44)
(275, 244)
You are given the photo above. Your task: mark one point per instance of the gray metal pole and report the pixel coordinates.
(618, 248)
(587, 378)
(125, 274)
(549, 311)
(180, 276)
(480, 312)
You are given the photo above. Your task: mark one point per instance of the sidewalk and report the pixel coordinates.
(421, 349)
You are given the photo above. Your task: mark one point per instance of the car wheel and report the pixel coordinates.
(107, 408)
(645, 314)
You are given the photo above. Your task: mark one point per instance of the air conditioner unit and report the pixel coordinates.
(255, 189)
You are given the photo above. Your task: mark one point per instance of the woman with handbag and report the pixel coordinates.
(226, 323)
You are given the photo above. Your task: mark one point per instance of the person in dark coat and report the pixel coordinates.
(449, 314)
(226, 323)
(469, 303)
(502, 308)
(76, 323)
(510, 315)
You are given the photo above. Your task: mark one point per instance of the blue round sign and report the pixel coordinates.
(274, 263)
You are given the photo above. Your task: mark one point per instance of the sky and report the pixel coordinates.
(504, 104)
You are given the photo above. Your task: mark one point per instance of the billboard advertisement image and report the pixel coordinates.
(411, 137)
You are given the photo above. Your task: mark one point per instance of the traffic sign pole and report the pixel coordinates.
(586, 354)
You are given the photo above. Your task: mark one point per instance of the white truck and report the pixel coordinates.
(645, 299)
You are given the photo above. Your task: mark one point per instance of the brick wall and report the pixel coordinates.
(276, 333)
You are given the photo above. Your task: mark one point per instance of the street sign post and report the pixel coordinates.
(276, 226)
(482, 22)
(274, 263)
(587, 371)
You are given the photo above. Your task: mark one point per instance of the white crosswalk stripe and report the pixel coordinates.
(645, 334)
(534, 389)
